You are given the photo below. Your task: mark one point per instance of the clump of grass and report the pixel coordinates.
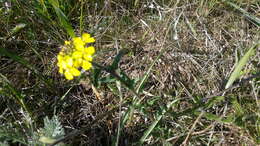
(165, 72)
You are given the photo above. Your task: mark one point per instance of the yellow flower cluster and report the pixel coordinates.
(76, 54)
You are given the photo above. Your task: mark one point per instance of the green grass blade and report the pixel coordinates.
(147, 73)
(120, 126)
(63, 18)
(81, 17)
(95, 77)
(136, 3)
(153, 125)
(18, 97)
(4, 52)
(213, 101)
(237, 107)
(44, 8)
(138, 89)
(150, 129)
(236, 73)
(250, 17)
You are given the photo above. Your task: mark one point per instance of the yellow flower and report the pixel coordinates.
(87, 39)
(60, 57)
(68, 75)
(90, 50)
(67, 42)
(69, 61)
(77, 54)
(78, 63)
(86, 65)
(62, 64)
(74, 56)
(79, 47)
(85, 36)
(75, 72)
(78, 43)
(87, 57)
(61, 70)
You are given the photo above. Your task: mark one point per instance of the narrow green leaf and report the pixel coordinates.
(210, 116)
(150, 129)
(130, 83)
(95, 77)
(136, 3)
(237, 107)
(54, 3)
(117, 59)
(153, 125)
(250, 17)
(236, 73)
(107, 79)
(17, 28)
(138, 89)
(17, 95)
(62, 17)
(147, 73)
(4, 52)
(113, 89)
(214, 100)
(44, 8)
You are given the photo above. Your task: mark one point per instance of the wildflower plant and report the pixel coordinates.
(75, 55)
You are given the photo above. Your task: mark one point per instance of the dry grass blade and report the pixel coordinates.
(176, 51)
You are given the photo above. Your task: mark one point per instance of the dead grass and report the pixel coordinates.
(202, 41)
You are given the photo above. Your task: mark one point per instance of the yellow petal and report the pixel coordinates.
(75, 72)
(85, 36)
(88, 57)
(60, 57)
(77, 54)
(90, 40)
(69, 62)
(78, 62)
(79, 47)
(90, 50)
(61, 70)
(78, 41)
(68, 75)
(62, 64)
(86, 65)
(67, 42)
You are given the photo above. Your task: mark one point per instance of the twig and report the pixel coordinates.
(184, 143)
